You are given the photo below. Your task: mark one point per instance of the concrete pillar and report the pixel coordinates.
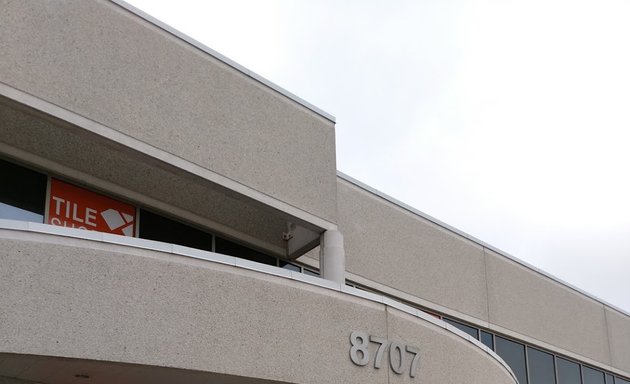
(332, 257)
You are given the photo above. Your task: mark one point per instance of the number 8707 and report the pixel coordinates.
(360, 354)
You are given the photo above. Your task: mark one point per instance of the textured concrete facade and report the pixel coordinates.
(102, 62)
(523, 301)
(385, 241)
(98, 96)
(619, 336)
(83, 299)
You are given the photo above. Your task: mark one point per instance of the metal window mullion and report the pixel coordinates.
(47, 197)
(525, 354)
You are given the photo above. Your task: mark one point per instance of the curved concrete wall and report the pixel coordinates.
(426, 263)
(102, 62)
(79, 298)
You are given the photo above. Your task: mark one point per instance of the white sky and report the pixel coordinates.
(509, 120)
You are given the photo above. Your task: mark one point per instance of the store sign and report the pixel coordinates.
(75, 207)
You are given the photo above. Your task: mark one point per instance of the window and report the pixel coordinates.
(310, 272)
(487, 339)
(159, 228)
(22, 193)
(229, 248)
(514, 355)
(568, 371)
(23, 196)
(463, 327)
(290, 266)
(541, 367)
(592, 376)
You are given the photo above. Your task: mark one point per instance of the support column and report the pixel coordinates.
(332, 257)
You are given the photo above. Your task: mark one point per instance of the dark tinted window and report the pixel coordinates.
(22, 193)
(486, 338)
(621, 381)
(568, 371)
(159, 228)
(541, 370)
(463, 327)
(290, 266)
(592, 376)
(609, 379)
(514, 355)
(310, 273)
(232, 249)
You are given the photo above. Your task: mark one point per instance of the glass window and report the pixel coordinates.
(514, 355)
(463, 327)
(486, 338)
(159, 228)
(290, 266)
(568, 371)
(609, 379)
(22, 193)
(621, 381)
(232, 249)
(592, 376)
(14, 213)
(310, 273)
(541, 369)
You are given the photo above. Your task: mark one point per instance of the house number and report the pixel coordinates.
(360, 354)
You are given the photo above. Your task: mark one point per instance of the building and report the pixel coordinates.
(222, 246)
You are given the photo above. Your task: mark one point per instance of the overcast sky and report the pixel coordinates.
(509, 120)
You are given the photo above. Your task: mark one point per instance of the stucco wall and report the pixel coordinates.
(391, 246)
(104, 63)
(528, 303)
(83, 299)
(435, 267)
(619, 336)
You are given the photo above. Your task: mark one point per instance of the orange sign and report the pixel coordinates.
(75, 207)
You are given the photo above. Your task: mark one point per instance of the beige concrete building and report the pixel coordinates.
(167, 216)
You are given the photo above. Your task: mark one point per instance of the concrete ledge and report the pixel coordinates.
(36, 229)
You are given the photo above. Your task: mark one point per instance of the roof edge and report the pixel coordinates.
(199, 45)
(475, 240)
